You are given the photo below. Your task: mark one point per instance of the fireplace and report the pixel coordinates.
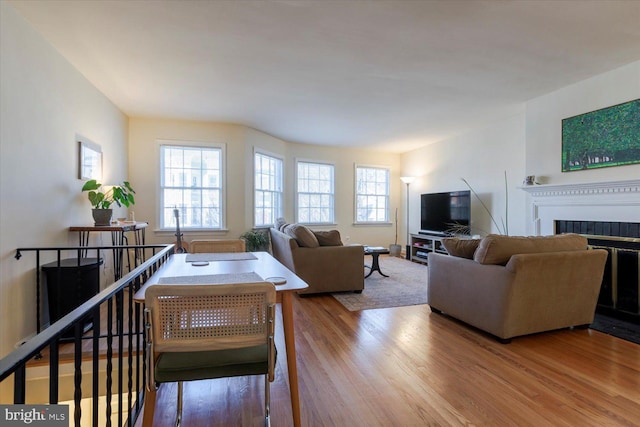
(620, 291)
(608, 214)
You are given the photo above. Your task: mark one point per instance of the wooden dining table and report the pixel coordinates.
(225, 267)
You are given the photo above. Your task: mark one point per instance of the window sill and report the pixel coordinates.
(372, 224)
(161, 232)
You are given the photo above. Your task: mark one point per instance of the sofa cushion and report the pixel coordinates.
(463, 248)
(496, 249)
(302, 235)
(328, 238)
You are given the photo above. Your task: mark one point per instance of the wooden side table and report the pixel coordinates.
(118, 238)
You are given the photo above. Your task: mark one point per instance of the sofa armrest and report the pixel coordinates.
(330, 268)
(553, 290)
(282, 246)
(469, 291)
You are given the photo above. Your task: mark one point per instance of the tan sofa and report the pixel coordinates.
(327, 268)
(518, 285)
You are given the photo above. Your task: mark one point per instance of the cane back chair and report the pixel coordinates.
(220, 245)
(199, 332)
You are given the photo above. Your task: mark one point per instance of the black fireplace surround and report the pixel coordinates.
(619, 294)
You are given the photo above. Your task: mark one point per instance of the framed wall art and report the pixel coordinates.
(90, 160)
(602, 138)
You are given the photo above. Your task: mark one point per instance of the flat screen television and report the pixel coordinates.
(441, 212)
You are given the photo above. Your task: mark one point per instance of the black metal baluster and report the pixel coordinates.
(54, 370)
(130, 351)
(19, 384)
(38, 297)
(96, 363)
(77, 357)
(109, 380)
(120, 324)
(137, 332)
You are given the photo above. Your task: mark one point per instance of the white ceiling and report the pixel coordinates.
(390, 75)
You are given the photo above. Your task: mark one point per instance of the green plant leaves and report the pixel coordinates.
(255, 239)
(91, 185)
(120, 194)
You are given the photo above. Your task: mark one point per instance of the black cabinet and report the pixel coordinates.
(69, 284)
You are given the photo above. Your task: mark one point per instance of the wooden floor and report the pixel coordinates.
(407, 366)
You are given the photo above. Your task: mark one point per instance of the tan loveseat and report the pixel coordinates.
(517, 285)
(330, 267)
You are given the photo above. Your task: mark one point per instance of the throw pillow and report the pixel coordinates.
(302, 235)
(280, 222)
(328, 238)
(496, 249)
(463, 248)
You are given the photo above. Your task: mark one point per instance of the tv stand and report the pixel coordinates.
(423, 243)
(434, 233)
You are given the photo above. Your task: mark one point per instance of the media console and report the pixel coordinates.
(423, 244)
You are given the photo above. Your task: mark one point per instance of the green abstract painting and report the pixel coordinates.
(602, 138)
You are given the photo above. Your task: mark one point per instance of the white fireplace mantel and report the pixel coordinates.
(601, 201)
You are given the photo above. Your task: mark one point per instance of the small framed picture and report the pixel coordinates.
(90, 160)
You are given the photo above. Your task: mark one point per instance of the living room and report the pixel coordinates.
(48, 103)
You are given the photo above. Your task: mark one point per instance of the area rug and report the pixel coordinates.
(406, 285)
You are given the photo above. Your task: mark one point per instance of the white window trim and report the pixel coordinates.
(223, 181)
(295, 201)
(355, 195)
(257, 150)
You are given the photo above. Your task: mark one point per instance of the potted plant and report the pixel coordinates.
(102, 198)
(395, 249)
(256, 240)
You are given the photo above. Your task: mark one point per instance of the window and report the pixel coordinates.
(315, 193)
(268, 189)
(191, 181)
(372, 194)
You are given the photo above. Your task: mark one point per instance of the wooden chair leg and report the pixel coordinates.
(179, 414)
(149, 407)
(267, 401)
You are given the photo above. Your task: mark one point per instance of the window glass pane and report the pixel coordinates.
(372, 194)
(192, 159)
(175, 158)
(268, 189)
(315, 192)
(191, 182)
(210, 160)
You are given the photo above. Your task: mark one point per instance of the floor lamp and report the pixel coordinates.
(408, 180)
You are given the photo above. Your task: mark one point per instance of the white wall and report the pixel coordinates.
(45, 104)
(144, 158)
(241, 142)
(345, 161)
(544, 124)
(254, 139)
(481, 157)
(543, 127)
(528, 143)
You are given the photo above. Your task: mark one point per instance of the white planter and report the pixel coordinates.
(395, 250)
